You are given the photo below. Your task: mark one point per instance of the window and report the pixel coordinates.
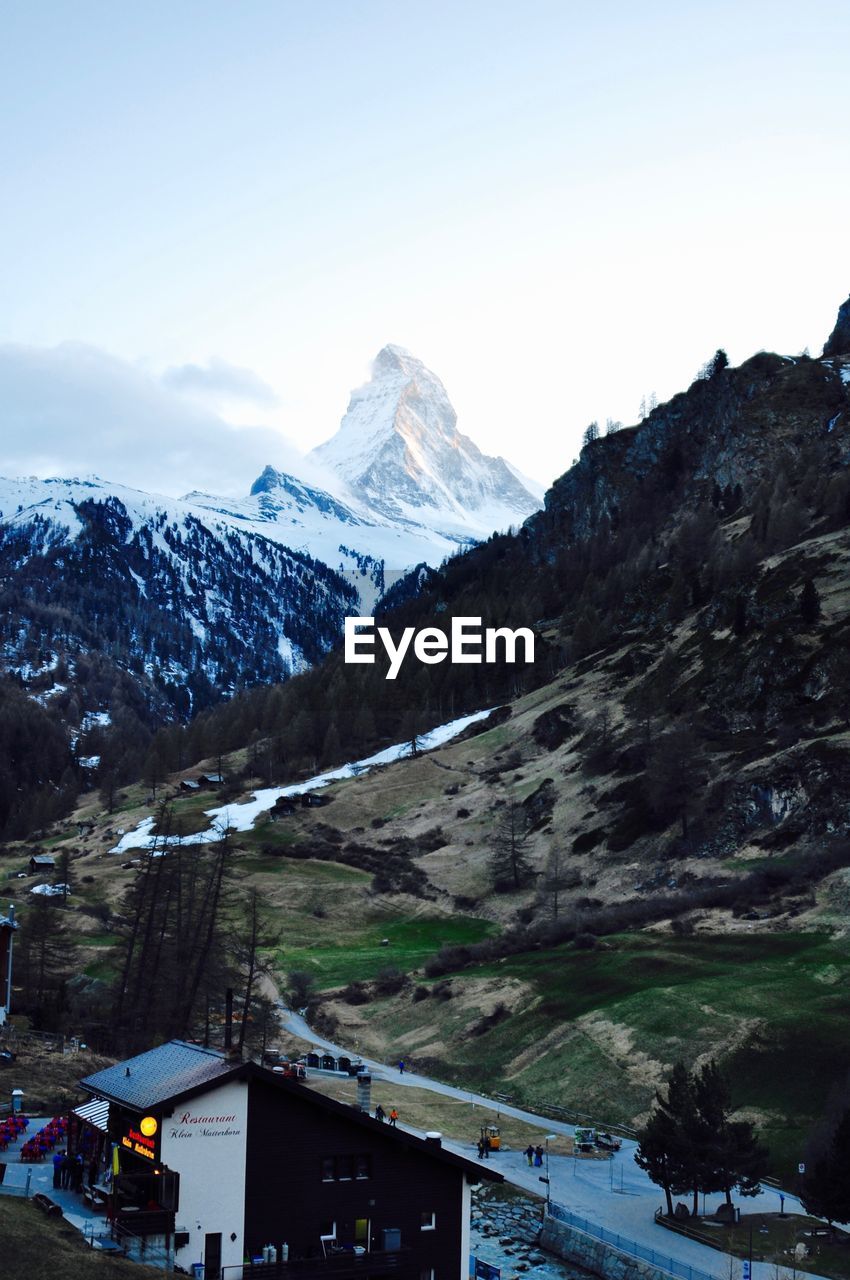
(428, 1221)
(345, 1168)
(362, 1233)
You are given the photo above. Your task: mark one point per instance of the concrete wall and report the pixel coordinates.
(594, 1255)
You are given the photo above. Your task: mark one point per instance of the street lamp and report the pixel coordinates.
(550, 1137)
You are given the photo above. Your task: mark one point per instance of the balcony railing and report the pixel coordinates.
(344, 1265)
(145, 1222)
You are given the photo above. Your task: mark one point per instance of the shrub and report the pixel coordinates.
(390, 981)
(355, 993)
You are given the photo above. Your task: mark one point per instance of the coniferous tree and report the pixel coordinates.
(511, 867)
(728, 1154)
(691, 1144)
(809, 603)
(675, 774)
(254, 938)
(666, 1143)
(63, 874)
(825, 1191)
(557, 878)
(44, 960)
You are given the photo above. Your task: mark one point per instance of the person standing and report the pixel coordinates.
(480, 1148)
(538, 1157)
(529, 1154)
(401, 1066)
(393, 1117)
(380, 1113)
(58, 1157)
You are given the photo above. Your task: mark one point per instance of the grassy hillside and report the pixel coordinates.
(42, 1248)
(597, 1030)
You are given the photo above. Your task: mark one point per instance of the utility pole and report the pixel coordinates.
(9, 925)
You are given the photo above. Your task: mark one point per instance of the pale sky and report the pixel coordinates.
(227, 209)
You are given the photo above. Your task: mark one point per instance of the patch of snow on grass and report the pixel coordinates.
(241, 817)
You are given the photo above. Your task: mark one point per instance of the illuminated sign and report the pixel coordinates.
(141, 1137)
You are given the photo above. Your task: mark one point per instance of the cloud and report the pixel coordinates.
(219, 380)
(74, 410)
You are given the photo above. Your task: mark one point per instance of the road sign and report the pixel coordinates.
(485, 1271)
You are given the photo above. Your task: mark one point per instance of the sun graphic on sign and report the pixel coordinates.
(148, 1126)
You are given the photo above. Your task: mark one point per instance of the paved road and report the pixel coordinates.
(614, 1194)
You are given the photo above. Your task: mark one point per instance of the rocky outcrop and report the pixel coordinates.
(838, 342)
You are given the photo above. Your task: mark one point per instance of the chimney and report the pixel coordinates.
(228, 1021)
(364, 1092)
(435, 1139)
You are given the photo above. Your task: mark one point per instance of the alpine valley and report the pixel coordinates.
(636, 850)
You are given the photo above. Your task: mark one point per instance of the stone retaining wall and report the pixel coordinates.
(594, 1255)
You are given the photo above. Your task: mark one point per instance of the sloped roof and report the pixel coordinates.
(160, 1075)
(400, 1137)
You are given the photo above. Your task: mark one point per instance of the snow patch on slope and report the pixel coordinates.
(241, 817)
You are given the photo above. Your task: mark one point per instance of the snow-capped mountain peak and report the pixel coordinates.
(400, 452)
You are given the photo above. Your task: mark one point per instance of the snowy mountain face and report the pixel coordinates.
(399, 451)
(365, 548)
(187, 598)
(190, 602)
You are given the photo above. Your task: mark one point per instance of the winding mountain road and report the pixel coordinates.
(614, 1194)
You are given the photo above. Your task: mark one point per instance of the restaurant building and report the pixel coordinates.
(229, 1164)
